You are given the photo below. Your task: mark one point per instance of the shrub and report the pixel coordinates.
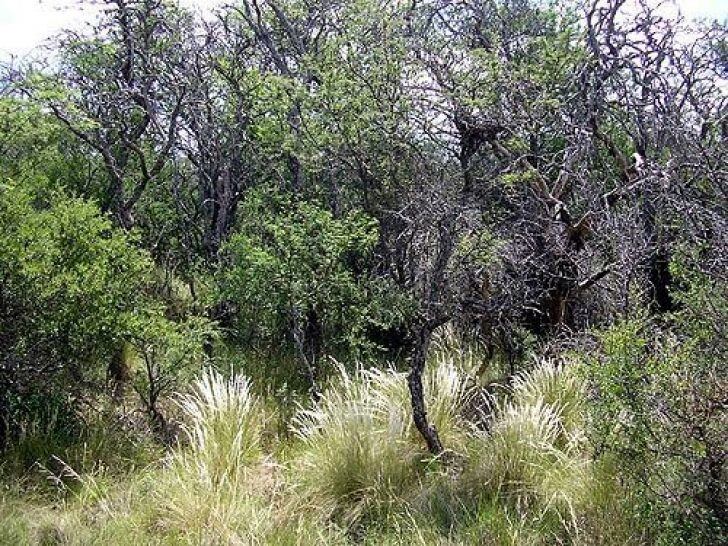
(71, 284)
(299, 275)
(170, 354)
(71, 281)
(657, 410)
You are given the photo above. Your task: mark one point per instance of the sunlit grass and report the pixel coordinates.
(361, 456)
(533, 455)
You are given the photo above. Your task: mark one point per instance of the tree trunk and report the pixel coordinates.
(312, 348)
(307, 337)
(660, 281)
(119, 371)
(4, 419)
(414, 380)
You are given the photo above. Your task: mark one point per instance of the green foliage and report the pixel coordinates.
(171, 353)
(71, 281)
(37, 151)
(75, 290)
(657, 408)
(538, 59)
(295, 262)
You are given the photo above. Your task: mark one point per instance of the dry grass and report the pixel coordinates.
(360, 456)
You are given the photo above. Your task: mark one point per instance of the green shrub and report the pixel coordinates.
(297, 272)
(657, 409)
(71, 285)
(71, 281)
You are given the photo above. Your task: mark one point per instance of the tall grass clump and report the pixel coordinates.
(558, 385)
(533, 457)
(360, 457)
(217, 485)
(224, 426)
(88, 438)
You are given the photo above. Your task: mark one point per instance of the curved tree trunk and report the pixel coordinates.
(414, 380)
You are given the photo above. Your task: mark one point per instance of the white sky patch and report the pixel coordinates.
(25, 24)
(715, 9)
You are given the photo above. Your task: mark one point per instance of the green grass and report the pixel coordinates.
(353, 470)
(360, 456)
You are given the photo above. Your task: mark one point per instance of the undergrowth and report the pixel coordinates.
(353, 470)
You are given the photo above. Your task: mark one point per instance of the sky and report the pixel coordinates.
(24, 24)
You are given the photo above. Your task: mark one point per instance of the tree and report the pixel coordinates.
(301, 275)
(121, 93)
(530, 168)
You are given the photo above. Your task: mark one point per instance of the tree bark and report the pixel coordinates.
(414, 380)
(307, 337)
(119, 371)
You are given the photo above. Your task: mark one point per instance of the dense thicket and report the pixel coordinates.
(287, 181)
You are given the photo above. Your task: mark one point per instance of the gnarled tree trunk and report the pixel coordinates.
(428, 431)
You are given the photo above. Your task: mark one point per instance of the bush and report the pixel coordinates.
(300, 275)
(171, 354)
(71, 285)
(70, 279)
(657, 409)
